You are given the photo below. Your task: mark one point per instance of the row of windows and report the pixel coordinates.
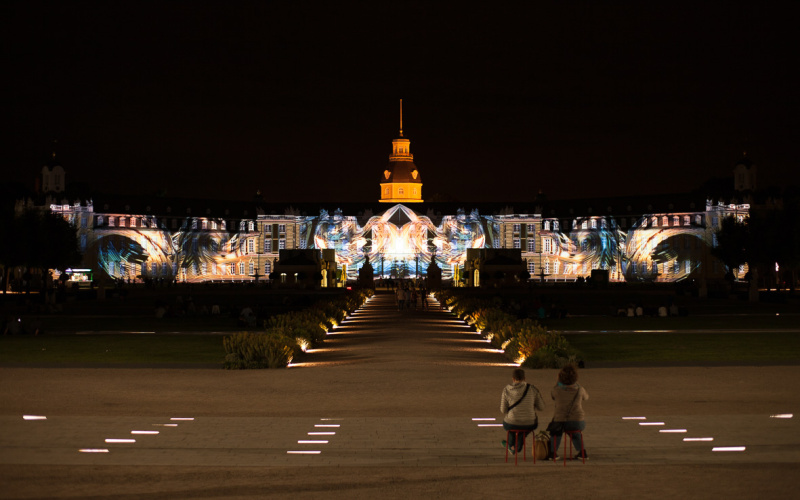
(122, 268)
(643, 268)
(145, 222)
(655, 221)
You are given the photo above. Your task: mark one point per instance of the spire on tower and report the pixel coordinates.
(401, 118)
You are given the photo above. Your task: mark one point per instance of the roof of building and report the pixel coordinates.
(401, 171)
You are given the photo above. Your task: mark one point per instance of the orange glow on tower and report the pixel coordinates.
(401, 182)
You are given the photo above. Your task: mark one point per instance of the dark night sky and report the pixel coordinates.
(576, 100)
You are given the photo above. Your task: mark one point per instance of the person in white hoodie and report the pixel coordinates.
(518, 404)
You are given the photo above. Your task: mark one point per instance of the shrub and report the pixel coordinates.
(247, 350)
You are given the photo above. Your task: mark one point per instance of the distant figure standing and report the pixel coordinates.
(401, 298)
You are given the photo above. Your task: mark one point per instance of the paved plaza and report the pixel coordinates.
(395, 404)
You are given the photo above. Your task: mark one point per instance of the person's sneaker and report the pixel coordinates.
(579, 457)
(503, 442)
(554, 457)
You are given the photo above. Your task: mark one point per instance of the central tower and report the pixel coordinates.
(401, 182)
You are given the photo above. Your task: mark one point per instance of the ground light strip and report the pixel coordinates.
(303, 452)
(490, 425)
(114, 440)
(311, 441)
(651, 423)
(321, 433)
(634, 418)
(34, 417)
(144, 432)
(699, 439)
(672, 430)
(481, 418)
(728, 448)
(93, 450)
(327, 425)
(182, 418)
(782, 415)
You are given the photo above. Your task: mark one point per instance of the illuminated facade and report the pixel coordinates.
(663, 239)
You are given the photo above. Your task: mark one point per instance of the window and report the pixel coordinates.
(714, 241)
(251, 245)
(655, 221)
(698, 219)
(583, 268)
(267, 268)
(594, 223)
(555, 266)
(232, 268)
(574, 224)
(687, 266)
(281, 228)
(676, 221)
(546, 226)
(665, 221)
(516, 228)
(676, 266)
(604, 224)
(644, 222)
(163, 269)
(251, 226)
(399, 190)
(585, 225)
(223, 225)
(203, 268)
(251, 269)
(232, 246)
(267, 245)
(531, 267)
(213, 268)
(281, 244)
(175, 269)
(547, 245)
(584, 245)
(153, 268)
(555, 225)
(204, 224)
(547, 267)
(531, 245)
(531, 230)
(122, 222)
(194, 223)
(516, 243)
(241, 267)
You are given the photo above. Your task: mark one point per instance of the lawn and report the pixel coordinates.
(113, 349)
(749, 347)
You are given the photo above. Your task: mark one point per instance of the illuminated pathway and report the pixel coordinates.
(387, 388)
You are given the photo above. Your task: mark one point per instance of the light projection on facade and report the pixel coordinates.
(400, 242)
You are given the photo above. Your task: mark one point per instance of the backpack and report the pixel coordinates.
(541, 445)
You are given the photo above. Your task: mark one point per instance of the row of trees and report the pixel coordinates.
(768, 237)
(36, 241)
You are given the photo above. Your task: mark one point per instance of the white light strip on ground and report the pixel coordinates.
(728, 448)
(672, 430)
(481, 418)
(165, 425)
(327, 425)
(114, 440)
(93, 450)
(699, 439)
(634, 418)
(321, 433)
(34, 417)
(311, 441)
(144, 432)
(301, 452)
(490, 425)
(182, 418)
(324, 419)
(651, 423)
(782, 415)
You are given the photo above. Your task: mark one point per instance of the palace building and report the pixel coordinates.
(652, 239)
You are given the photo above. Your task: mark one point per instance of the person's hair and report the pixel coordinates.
(519, 374)
(568, 375)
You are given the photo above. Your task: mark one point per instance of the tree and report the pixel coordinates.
(38, 240)
(733, 240)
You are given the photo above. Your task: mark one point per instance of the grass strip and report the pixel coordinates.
(687, 347)
(113, 349)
